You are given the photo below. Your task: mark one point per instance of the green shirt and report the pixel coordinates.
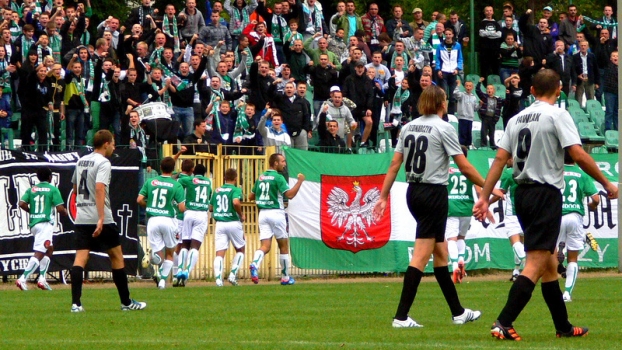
(181, 179)
(269, 189)
(509, 185)
(222, 203)
(577, 186)
(460, 191)
(198, 191)
(162, 195)
(42, 198)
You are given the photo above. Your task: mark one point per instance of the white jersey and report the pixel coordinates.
(536, 137)
(427, 143)
(90, 170)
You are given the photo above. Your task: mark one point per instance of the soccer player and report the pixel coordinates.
(427, 143)
(39, 201)
(577, 186)
(536, 139)
(268, 193)
(198, 194)
(95, 228)
(160, 196)
(512, 227)
(226, 204)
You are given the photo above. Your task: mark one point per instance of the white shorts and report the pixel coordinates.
(571, 231)
(512, 226)
(180, 228)
(43, 233)
(229, 231)
(272, 223)
(194, 225)
(457, 226)
(162, 232)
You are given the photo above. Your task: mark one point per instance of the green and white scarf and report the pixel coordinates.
(400, 97)
(156, 54)
(40, 53)
(611, 24)
(313, 17)
(139, 134)
(89, 73)
(166, 28)
(26, 44)
(16, 30)
(85, 39)
(239, 20)
(55, 45)
(105, 94)
(215, 108)
(5, 77)
(279, 26)
(141, 15)
(404, 55)
(242, 127)
(249, 58)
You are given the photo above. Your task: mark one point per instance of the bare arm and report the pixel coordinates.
(589, 166)
(100, 202)
(468, 170)
(251, 197)
(394, 168)
(480, 210)
(238, 209)
(593, 204)
(61, 210)
(182, 207)
(25, 207)
(141, 201)
(291, 193)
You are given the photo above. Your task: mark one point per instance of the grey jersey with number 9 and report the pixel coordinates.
(536, 138)
(90, 170)
(427, 143)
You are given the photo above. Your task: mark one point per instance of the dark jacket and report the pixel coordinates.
(611, 79)
(535, 43)
(322, 80)
(554, 62)
(593, 75)
(71, 41)
(37, 94)
(261, 88)
(483, 107)
(329, 143)
(463, 31)
(360, 90)
(297, 62)
(391, 26)
(296, 116)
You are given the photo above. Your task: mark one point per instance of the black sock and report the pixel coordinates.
(77, 276)
(120, 280)
(412, 278)
(449, 290)
(519, 296)
(554, 299)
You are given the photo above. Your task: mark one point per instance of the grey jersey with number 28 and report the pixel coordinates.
(427, 143)
(536, 138)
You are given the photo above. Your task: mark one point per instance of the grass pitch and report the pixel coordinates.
(310, 314)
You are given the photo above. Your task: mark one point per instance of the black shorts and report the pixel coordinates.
(428, 204)
(107, 239)
(539, 211)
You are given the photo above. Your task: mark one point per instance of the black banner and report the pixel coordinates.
(18, 173)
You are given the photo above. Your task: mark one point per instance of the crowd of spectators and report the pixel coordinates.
(239, 74)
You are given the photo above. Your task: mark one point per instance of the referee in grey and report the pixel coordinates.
(95, 228)
(536, 139)
(424, 146)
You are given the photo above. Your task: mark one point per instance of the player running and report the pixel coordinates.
(198, 194)
(577, 186)
(510, 220)
(268, 193)
(40, 201)
(160, 196)
(226, 204)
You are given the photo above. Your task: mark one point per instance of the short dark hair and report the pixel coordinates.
(44, 174)
(545, 83)
(276, 112)
(198, 122)
(200, 169)
(102, 137)
(167, 165)
(187, 165)
(274, 158)
(231, 174)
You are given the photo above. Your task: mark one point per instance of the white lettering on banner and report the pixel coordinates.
(62, 157)
(601, 253)
(14, 264)
(5, 265)
(481, 253)
(6, 155)
(605, 167)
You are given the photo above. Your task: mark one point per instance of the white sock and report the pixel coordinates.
(175, 263)
(452, 247)
(572, 270)
(519, 252)
(218, 262)
(167, 265)
(237, 261)
(43, 267)
(258, 257)
(461, 249)
(284, 265)
(183, 256)
(32, 265)
(193, 257)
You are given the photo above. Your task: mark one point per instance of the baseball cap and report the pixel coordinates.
(417, 10)
(334, 88)
(547, 8)
(359, 64)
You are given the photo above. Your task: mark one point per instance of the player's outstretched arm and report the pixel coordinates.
(24, 206)
(61, 210)
(588, 165)
(292, 192)
(480, 209)
(468, 170)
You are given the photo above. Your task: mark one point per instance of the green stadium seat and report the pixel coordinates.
(588, 132)
(592, 104)
(500, 90)
(579, 117)
(9, 137)
(599, 150)
(474, 78)
(598, 118)
(573, 103)
(494, 79)
(455, 125)
(611, 139)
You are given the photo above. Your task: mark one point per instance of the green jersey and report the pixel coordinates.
(42, 198)
(198, 192)
(509, 186)
(460, 191)
(182, 178)
(269, 189)
(222, 203)
(577, 186)
(162, 195)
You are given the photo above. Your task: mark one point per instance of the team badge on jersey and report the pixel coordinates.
(346, 217)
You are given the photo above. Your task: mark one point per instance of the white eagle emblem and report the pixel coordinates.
(355, 217)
